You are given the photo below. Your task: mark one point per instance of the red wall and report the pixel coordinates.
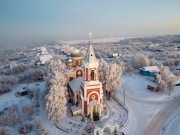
(90, 90)
(77, 75)
(93, 94)
(85, 107)
(87, 79)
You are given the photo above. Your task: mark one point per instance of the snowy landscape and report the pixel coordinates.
(152, 110)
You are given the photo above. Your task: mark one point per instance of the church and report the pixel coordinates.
(85, 90)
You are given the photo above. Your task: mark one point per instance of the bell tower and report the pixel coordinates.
(91, 64)
(92, 99)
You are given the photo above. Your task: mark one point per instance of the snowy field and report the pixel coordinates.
(135, 86)
(10, 99)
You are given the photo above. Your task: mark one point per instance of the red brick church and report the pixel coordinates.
(85, 90)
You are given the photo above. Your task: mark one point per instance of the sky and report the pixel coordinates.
(74, 19)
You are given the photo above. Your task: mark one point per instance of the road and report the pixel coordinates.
(156, 124)
(139, 124)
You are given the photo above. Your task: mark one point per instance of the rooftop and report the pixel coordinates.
(75, 84)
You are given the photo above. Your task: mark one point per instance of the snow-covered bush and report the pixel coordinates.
(31, 75)
(4, 88)
(40, 129)
(26, 128)
(4, 130)
(28, 109)
(8, 79)
(18, 68)
(9, 116)
(5, 83)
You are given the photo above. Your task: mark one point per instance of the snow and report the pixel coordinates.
(9, 99)
(75, 84)
(151, 68)
(135, 86)
(172, 125)
(92, 103)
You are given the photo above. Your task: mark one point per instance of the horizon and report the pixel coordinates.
(30, 21)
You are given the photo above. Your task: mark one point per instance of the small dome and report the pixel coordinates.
(69, 60)
(75, 53)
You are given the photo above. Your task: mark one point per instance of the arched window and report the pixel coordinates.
(92, 73)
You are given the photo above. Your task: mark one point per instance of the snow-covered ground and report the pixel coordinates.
(9, 99)
(135, 86)
(148, 111)
(172, 125)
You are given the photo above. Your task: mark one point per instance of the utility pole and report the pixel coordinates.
(124, 94)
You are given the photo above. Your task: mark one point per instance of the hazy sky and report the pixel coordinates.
(62, 19)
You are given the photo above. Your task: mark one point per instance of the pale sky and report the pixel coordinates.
(73, 19)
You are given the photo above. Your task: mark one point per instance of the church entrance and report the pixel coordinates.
(95, 114)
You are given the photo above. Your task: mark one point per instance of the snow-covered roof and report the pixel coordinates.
(177, 80)
(43, 49)
(115, 54)
(75, 84)
(75, 108)
(69, 60)
(151, 68)
(92, 103)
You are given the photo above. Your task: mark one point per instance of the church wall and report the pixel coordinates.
(77, 73)
(90, 90)
(93, 95)
(85, 107)
(87, 77)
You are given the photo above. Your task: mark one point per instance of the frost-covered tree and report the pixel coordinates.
(113, 78)
(142, 61)
(40, 129)
(165, 73)
(56, 103)
(56, 81)
(56, 72)
(166, 79)
(110, 75)
(102, 72)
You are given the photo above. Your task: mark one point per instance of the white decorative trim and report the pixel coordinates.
(95, 92)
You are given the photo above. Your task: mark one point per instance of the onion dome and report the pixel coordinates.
(75, 53)
(69, 61)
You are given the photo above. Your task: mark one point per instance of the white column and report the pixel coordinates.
(75, 98)
(82, 103)
(91, 113)
(100, 112)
